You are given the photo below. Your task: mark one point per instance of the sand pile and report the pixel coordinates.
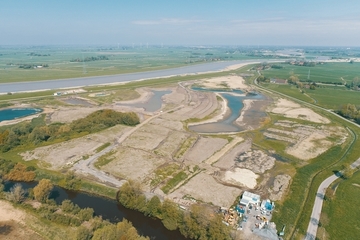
(293, 110)
(241, 176)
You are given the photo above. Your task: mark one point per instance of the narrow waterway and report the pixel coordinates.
(235, 104)
(111, 210)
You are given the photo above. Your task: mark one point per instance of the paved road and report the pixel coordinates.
(315, 215)
(88, 81)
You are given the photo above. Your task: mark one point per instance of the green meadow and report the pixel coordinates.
(321, 73)
(339, 218)
(70, 62)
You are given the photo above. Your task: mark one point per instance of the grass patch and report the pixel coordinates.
(343, 215)
(102, 147)
(98, 189)
(185, 146)
(104, 159)
(174, 181)
(162, 173)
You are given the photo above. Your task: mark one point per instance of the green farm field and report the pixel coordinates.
(118, 60)
(328, 97)
(321, 73)
(339, 218)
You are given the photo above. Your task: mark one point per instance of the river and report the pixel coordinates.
(89, 81)
(111, 210)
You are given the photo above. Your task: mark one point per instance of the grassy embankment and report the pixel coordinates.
(295, 211)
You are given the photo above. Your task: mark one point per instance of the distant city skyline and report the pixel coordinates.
(202, 22)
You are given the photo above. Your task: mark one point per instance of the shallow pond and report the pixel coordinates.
(14, 113)
(153, 104)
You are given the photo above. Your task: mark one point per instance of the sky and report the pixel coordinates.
(185, 22)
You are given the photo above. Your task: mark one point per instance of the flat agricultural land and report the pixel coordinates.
(69, 62)
(327, 72)
(329, 97)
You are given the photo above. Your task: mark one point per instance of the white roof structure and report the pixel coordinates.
(252, 197)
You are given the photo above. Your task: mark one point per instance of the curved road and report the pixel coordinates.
(315, 214)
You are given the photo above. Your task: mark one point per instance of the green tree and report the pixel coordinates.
(42, 190)
(153, 207)
(129, 195)
(83, 233)
(171, 215)
(85, 214)
(70, 181)
(347, 171)
(17, 194)
(69, 207)
(293, 79)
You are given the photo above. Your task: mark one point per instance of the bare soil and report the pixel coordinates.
(204, 187)
(306, 141)
(293, 110)
(12, 223)
(204, 148)
(65, 154)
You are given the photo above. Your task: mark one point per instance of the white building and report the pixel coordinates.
(249, 198)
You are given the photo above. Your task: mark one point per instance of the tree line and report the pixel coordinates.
(90, 59)
(34, 132)
(199, 222)
(88, 226)
(350, 111)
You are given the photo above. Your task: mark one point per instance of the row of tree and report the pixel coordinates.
(10, 171)
(69, 214)
(33, 133)
(199, 222)
(350, 111)
(90, 59)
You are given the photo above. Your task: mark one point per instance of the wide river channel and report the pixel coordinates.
(89, 81)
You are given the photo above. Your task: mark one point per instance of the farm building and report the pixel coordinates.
(249, 198)
(278, 81)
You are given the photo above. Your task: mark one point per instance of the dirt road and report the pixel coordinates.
(87, 166)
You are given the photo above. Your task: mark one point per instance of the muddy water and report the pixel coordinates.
(153, 104)
(111, 210)
(227, 124)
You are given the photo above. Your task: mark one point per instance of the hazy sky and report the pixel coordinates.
(184, 22)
